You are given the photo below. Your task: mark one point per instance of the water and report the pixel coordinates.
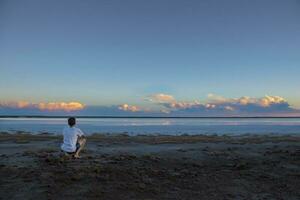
(171, 126)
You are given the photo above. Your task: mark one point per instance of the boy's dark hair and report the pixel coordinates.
(71, 121)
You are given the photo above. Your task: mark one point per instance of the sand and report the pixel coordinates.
(149, 167)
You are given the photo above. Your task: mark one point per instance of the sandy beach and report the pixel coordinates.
(151, 167)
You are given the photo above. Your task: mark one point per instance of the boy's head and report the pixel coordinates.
(71, 121)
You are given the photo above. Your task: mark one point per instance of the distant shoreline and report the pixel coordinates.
(144, 117)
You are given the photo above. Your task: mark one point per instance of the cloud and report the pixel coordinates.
(23, 104)
(19, 104)
(161, 98)
(263, 101)
(216, 98)
(165, 111)
(182, 105)
(268, 100)
(49, 106)
(169, 101)
(126, 107)
(210, 106)
(229, 108)
(71, 106)
(162, 105)
(217, 105)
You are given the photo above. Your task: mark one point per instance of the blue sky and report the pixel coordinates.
(110, 53)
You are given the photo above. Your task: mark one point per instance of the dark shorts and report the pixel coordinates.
(77, 147)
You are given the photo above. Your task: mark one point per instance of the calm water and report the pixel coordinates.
(134, 126)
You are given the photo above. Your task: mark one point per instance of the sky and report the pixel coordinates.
(158, 57)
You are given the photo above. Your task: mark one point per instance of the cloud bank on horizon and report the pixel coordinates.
(50, 106)
(162, 105)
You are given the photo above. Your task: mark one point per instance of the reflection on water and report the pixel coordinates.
(157, 125)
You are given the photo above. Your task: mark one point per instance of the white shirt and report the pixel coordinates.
(71, 135)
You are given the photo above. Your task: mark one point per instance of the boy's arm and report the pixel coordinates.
(81, 134)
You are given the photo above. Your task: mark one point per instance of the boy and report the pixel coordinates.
(74, 140)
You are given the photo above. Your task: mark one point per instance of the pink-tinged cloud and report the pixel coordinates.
(218, 105)
(54, 106)
(23, 104)
(49, 106)
(263, 101)
(161, 98)
(170, 102)
(163, 105)
(126, 107)
(19, 104)
(268, 100)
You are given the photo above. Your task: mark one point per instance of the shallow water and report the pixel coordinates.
(172, 126)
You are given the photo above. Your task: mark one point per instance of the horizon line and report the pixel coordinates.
(188, 117)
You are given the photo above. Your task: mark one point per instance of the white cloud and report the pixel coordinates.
(184, 105)
(165, 111)
(210, 106)
(213, 98)
(161, 98)
(230, 108)
(130, 108)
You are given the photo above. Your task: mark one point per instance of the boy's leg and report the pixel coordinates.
(81, 142)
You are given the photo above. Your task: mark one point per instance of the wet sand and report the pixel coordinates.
(151, 167)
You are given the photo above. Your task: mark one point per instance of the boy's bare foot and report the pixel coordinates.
(76, 156)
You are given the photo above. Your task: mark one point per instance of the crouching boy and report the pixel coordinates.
(74, 139)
